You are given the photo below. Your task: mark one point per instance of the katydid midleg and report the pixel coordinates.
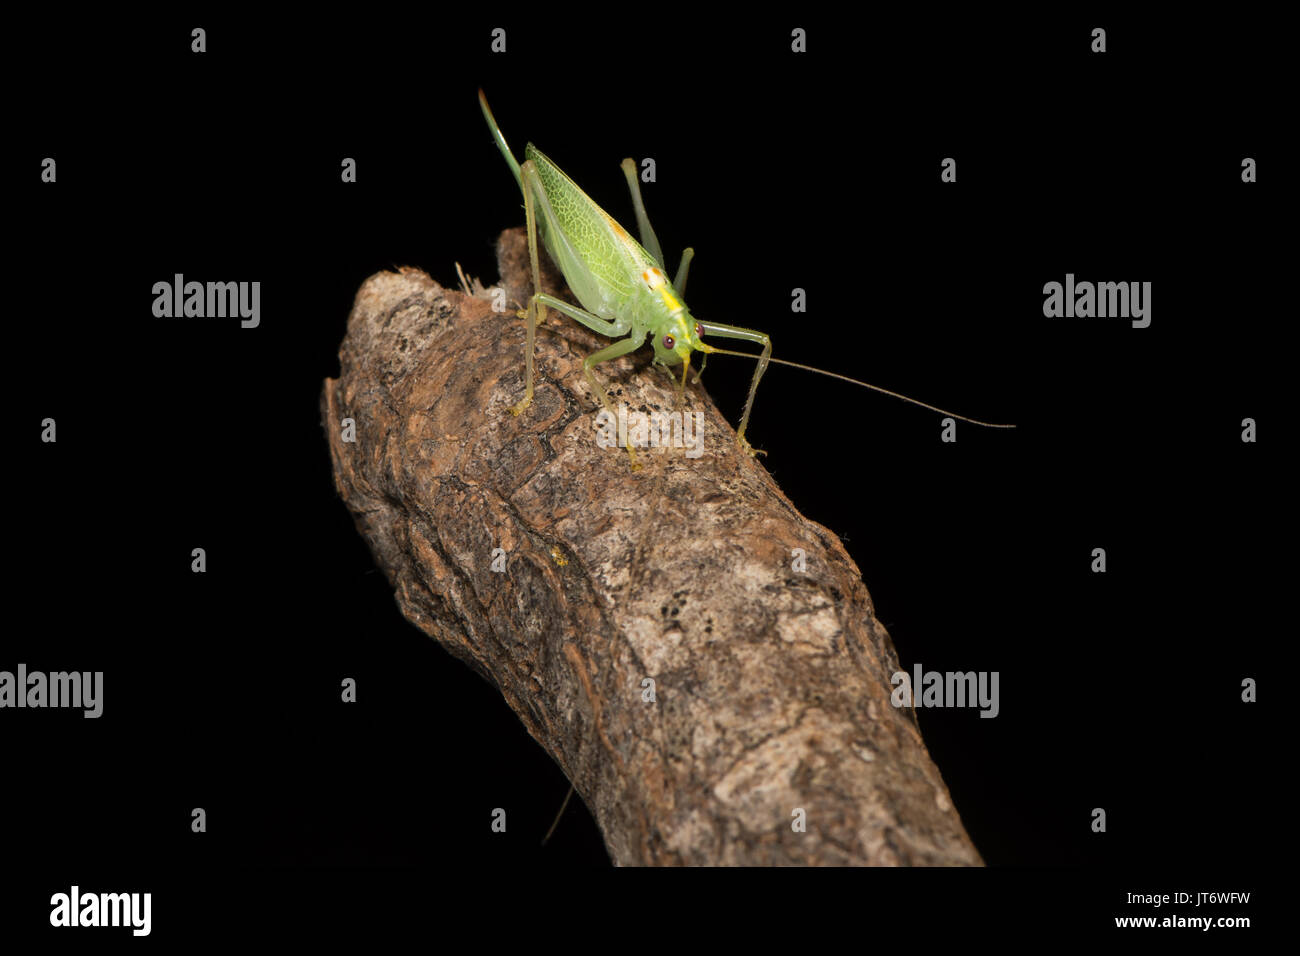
(622, 285)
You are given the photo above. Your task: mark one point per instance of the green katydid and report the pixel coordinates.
(621, 283)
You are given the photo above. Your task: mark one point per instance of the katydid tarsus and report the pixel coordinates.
(622, 285)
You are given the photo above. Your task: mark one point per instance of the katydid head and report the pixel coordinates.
(674, 333)
(676, 338)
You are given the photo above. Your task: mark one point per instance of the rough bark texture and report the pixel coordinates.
(772, 687)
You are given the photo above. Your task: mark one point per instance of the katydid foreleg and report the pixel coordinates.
(617, 350)
(747, 335)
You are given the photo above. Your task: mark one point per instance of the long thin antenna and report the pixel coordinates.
(854, 381)
(556, 822)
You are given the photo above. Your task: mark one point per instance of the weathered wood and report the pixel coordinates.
(772, 687)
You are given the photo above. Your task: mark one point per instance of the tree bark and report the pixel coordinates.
(771, 686)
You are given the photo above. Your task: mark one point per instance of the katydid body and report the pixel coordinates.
(620, 282)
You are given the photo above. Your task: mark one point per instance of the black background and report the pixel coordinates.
(820, 171)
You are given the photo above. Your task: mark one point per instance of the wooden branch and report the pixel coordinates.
(771, 687)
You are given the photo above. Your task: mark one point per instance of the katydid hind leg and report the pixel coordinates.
(536, 311)
(500, 139)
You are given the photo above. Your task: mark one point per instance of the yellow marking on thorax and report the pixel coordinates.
(658, 282)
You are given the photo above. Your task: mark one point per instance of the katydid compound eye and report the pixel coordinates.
(668, 342)
(699, 332)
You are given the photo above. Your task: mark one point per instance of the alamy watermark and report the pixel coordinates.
(1100, 300)
(655, 429)
(76, 908)
(75, 689)
(946, 689)
(213, 300)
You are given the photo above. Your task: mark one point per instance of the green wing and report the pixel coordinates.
(612, 257)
